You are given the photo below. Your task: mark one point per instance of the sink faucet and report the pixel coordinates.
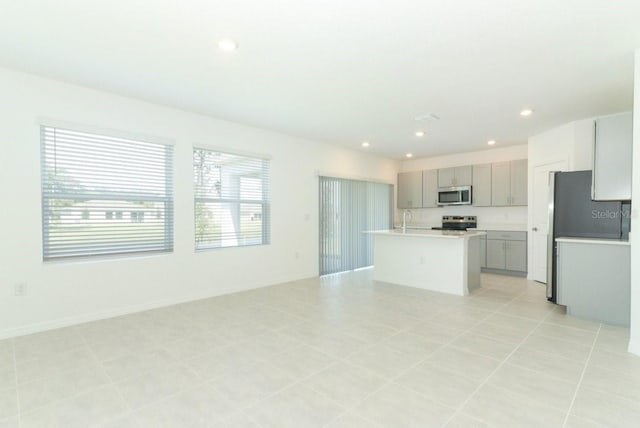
(404, 219)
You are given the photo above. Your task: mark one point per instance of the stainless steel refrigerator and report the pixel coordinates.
(572, 214)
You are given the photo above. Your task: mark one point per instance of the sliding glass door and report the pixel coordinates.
(347, 209)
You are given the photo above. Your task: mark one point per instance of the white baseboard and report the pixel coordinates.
(95, 316)
(634, 347)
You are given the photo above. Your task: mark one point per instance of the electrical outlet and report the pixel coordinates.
(20, 289)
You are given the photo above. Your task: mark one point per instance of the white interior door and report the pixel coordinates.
(540, 220)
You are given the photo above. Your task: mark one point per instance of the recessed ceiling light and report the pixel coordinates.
(227, 45)
(419, 133)
(491, 142)
(526, 112)
(365, 144)
(409, 155)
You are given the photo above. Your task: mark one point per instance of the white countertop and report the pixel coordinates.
(425, 233)
(507, 227)
(593, 241)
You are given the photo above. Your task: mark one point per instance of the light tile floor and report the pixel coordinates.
(339, 351)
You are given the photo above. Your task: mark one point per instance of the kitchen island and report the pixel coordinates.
(437, 260)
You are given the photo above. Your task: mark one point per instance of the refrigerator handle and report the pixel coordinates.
(550, 235)
(593, 160)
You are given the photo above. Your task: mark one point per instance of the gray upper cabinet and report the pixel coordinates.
(518, 172)
(430, 188)
(464, 175)
(410, 189)
(493, 184)
(446, 177)
(612, 157)
(455, 176)
(481, 191)
(509, 183)
(500, 183)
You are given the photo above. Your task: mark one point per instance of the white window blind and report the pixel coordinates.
(104, 195)
(232, 199)
(347, 209)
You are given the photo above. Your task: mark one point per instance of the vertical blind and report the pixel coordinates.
(232, 199)
(347, 209)
(104, 195)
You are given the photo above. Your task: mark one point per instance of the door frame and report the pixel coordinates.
(531, 209)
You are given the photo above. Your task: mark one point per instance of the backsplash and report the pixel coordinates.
(429, 217)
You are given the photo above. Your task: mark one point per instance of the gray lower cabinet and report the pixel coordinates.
(496, 254)
(430, 188)
(516, 255)
(506, 251)
(593, 280)
(410, 189)
(483, 251)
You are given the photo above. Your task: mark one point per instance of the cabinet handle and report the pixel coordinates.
(535, 229)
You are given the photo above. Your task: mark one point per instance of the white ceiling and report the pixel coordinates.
(344, 71)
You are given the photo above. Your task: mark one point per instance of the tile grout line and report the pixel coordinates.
(83, 391)
(337, 360)
(463, 332)
(129, 410)
(584, 370)
(15, 372)
(504, 360)
(184, 363)
(177, 362)
(100, 365)
(411, 367)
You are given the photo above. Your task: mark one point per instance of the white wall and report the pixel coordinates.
(491, 216)
(634, 236)
(500, 154)
(64, 293)
(572, 142)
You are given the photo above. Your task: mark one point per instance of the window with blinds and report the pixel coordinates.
(232, 199)
(347, 209)
(104, 195)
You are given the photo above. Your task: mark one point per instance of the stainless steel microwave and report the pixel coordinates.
(460, 195)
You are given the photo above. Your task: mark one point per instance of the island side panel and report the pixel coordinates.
(473, 263)
(423, 262)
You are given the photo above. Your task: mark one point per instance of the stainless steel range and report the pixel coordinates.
(458, 222)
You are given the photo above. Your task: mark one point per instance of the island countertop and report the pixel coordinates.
(417, 233)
